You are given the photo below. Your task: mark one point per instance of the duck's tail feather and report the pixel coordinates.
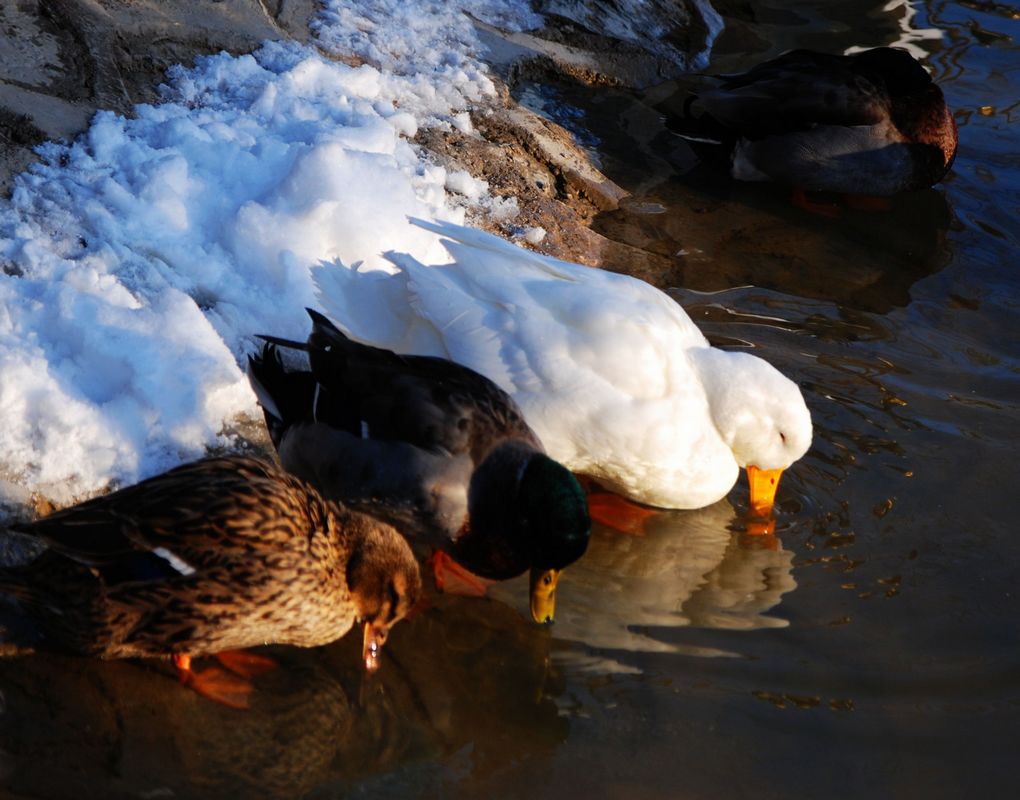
(286, 396)
(372, 307)
(38, 599)
(707, 137)
(325, 335)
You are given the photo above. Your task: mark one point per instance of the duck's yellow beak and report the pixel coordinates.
(543, 594)
(763, 483)
(375, 638)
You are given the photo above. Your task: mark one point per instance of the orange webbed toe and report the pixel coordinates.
(452, 578)
(799, 198)
(619, 513)
(214, 683)
(245, 664)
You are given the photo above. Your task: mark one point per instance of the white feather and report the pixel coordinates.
(176, 562)
(611, 373)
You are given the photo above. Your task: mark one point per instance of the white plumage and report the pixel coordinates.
(610, 372)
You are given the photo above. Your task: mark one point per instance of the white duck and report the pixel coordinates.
(611, 373)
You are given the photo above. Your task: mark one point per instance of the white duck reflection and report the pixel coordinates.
(687, 569)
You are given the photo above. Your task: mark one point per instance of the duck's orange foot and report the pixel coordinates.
(245, 664)
(215, 683)
(799, 197)
(619, 513)
(452, 578)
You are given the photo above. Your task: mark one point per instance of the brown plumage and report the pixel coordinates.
(219, 554)
(870, 123)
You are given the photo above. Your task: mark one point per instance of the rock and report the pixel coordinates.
(62, 60)
(615, 42)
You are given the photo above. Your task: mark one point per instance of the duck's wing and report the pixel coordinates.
(192, 518)
(430, 403)
(592, 357)
(601, 364)
(794, 92)
(537, 323)
(286, 394)
(421, 493)
(393, 436)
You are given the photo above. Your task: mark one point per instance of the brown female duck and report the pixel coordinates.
(216, 555)
(870, 123)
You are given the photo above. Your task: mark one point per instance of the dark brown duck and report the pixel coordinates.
(871, 123)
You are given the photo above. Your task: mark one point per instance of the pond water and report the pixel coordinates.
(870, 646)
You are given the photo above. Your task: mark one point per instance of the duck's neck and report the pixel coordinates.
(495, 544)
(714, 369)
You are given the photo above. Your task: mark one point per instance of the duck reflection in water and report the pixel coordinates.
(462, 676)
(683, 569)
(716, 236)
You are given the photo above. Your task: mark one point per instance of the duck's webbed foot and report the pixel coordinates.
(217, 684)
(452, 578)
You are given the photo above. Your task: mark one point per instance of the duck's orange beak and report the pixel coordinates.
(763, 483)
(375, 638)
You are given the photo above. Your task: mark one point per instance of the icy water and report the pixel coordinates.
(870, 647)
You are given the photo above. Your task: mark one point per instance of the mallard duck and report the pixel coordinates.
(870, 123)
(611, 374)
(216, 555)
(431, 446)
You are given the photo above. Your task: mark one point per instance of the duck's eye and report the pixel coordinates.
(547, 580)
(782, 436)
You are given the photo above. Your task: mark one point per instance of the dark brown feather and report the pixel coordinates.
(219, 554)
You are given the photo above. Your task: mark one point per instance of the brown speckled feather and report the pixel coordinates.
(218, 554)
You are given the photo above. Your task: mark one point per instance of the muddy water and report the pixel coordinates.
(869, 647)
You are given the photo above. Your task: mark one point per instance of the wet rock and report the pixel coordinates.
(615, 42)
(62, 60)
(527, 157)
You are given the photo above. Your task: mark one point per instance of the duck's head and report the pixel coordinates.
(383, 580)
(526, 511)
(900, 72)
(917, 107)
(760, 414)
(553, 513)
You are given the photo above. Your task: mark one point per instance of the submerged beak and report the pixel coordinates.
(763, 483)
(543, 594)
(375, 638)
